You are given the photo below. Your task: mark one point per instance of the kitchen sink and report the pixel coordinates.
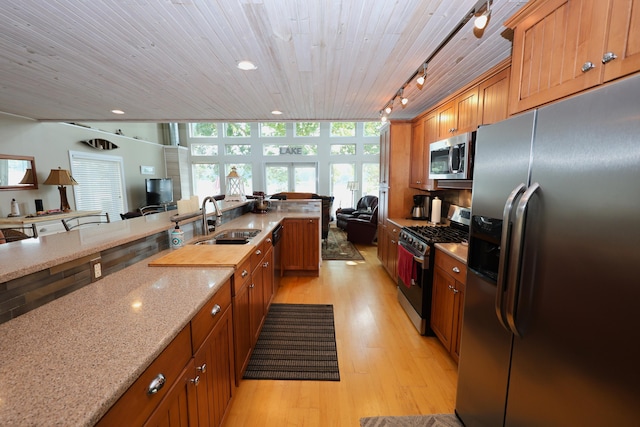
(237, 236)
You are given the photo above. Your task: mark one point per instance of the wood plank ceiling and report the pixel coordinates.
(175, 60)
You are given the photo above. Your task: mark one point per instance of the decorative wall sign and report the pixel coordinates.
(101, 144)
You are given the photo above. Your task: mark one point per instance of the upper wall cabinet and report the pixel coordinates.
(561, 47)
(458, 115)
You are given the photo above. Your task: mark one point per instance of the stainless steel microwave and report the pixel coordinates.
(452, 158)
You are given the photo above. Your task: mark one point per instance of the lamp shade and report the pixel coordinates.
(60, 177)
(28, 178)
(353, 185)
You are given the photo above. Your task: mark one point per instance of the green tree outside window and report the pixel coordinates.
(372, 128)
(204, 130)
(238, 130)
(272, 129)
(307, 129)
(343, 129)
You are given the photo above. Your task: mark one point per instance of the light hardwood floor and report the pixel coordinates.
(386, 367)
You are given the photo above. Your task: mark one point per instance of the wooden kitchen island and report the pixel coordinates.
(69, 361)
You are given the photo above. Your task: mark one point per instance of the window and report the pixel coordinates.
(343, 129)
(238, 130)
(204, 149)
(373, 149)
(341, 174)
(372, 128)
(305, 129)
(302, 177)
(370, 178)
(245, 171)
(206, 179)
(268, 130)
(237, 149)
(106, 194)
(202, 130)
(343, 149)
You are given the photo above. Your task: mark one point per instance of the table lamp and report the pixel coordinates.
(61, 177)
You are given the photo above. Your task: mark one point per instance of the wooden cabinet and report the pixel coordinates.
(301, 246)
(418, 171)
(390, 252)
(395, 195)
(179, 408)
(493, 98)
(561, 47)
(214, 369)
(242, 336)
(458, 115)
(191, 382)
(449, 281)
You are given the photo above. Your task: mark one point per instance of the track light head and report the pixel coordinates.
(388, 109)
(481, 20)
(420, 80)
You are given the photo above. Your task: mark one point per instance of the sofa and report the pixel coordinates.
(364, 229)
(327, 202)
(365, 206)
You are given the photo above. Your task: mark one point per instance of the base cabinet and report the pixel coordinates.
(191, 382)
(388, 248)
(301, 246)
(449, 281)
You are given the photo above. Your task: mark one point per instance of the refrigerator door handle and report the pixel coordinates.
(503, 261)
(515, 262)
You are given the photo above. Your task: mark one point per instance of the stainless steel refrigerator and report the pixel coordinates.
(551, 329)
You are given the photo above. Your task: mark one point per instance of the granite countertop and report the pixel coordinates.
(457, 250)
(68, 362)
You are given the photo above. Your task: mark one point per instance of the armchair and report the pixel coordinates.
(361, 208)
(363, 230)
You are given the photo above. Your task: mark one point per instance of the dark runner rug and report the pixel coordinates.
(437, 420)
(337, 247)
(297, 342)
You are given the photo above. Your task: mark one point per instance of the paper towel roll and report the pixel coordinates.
(436, 209)
(184, 207)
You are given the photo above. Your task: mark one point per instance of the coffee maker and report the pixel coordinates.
(420, 209)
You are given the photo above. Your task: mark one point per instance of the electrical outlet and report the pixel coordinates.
(96, 269)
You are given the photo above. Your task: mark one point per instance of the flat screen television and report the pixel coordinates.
(159, 191)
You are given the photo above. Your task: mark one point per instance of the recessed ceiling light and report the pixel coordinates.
(117, 111)
(276, 112)
(246, 65)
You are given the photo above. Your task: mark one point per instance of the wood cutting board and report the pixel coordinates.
(205, 256)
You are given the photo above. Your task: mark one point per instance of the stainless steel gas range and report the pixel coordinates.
(416, 246)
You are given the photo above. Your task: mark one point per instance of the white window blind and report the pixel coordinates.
(101, 183)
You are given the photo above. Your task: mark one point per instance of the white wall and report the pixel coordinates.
(50, 143)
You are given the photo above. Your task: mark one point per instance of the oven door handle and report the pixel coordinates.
(419, 260)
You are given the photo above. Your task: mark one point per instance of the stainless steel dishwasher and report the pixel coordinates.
(276, 235)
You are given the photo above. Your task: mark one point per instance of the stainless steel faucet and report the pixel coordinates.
(205, 226)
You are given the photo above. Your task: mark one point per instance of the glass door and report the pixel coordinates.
(299, 177)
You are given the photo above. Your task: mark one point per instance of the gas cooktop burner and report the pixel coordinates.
(439, 234)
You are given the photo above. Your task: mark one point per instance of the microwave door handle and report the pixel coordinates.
(450, 159)
(515, 263)
(503, 262)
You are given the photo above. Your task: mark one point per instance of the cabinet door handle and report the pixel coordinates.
(258, 252)
(195, 381)
(202, 368)
(588, 66)
(453, 289)
(251, 286)
(456, 270)
(266, 264)
(215, 310)
(244, 273)
(608, 57)
(156, 384)
(268, 240)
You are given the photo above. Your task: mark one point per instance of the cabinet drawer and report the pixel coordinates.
(452, 266)
(258, 254)
(136, 404)
(241, 275)
(203, 322)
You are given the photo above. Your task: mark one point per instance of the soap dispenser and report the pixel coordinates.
(177, 237)
(15, 209)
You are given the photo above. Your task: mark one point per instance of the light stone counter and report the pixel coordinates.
(68, 362)
(456, 250)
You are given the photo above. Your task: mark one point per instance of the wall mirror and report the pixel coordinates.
(18, 172)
